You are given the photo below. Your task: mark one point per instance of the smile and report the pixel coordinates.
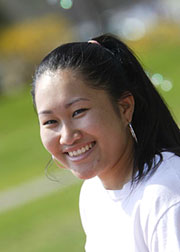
(82, 150)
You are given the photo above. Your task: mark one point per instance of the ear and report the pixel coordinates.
(126, 108)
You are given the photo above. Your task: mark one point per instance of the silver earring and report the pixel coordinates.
(132, 132)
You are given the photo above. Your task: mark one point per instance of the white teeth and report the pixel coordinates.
(70, 154)
(83, 149)
(80, 151)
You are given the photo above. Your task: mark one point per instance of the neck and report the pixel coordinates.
(118, 175)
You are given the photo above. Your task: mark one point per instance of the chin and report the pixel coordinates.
(83, 176)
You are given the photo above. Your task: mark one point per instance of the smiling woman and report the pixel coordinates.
(70, 113)
(101, 118)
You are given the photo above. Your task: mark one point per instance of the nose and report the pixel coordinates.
(69, 135)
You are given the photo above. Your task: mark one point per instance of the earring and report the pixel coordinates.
(49, 174)
(132, 132)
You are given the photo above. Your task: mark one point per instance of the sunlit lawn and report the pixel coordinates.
(47, 225)
(163, 57)
(166, 62)
(22, 155)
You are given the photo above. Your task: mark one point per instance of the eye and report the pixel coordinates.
(79, 111)
(50, 122)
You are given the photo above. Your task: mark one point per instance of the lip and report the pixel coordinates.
(83, 155)
(76, 147)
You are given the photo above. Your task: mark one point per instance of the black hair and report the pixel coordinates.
(111, 66)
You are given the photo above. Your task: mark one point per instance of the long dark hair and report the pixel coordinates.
(111, 66)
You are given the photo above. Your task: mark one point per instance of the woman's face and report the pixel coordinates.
(79, 125)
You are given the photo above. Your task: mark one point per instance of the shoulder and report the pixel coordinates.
(160, 193)
(166, 233)
(164, 185)
(165, 182)
(159, 196)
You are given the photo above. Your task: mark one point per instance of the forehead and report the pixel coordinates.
(61, 81)
(57, 78)
(61, 87)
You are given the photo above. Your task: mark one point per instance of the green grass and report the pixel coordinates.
(47, 225)
(164, 59)
(22, 154)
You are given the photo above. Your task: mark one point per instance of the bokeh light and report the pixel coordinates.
(157, 79)
(66, 4)
(133, 29)
(166, 85)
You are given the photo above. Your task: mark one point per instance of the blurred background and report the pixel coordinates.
(36, 214)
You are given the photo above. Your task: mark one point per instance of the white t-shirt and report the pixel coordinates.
(145, 219)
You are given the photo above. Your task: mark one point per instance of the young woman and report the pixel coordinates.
(101, 117)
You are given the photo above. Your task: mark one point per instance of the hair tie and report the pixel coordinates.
(93, 42)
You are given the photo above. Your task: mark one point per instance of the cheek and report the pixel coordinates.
(48, 140)
(90, 126)
(100, 123)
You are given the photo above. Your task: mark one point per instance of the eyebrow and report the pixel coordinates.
(74, 101)
(66, 105)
